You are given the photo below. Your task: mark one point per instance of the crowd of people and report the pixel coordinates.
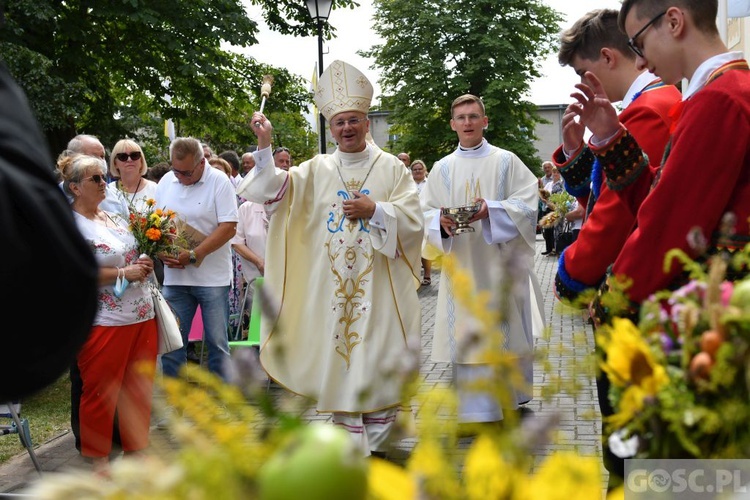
(345, 240)
(353, 229)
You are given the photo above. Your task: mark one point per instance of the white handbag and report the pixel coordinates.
(168, 326)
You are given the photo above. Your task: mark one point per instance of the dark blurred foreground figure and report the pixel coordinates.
(42, 255)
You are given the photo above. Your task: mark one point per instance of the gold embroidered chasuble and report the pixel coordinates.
(503, 268)
(344, 291)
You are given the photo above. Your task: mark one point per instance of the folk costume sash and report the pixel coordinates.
(676, 112)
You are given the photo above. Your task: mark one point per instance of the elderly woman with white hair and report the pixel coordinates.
(117, 361)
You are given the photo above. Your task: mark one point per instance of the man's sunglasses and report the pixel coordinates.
(184, 173)
(188, 173)
(135, 156)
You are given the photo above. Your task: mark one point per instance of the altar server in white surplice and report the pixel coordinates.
(342, 263)
(498, 254)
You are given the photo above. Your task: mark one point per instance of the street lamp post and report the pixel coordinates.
(320, 10)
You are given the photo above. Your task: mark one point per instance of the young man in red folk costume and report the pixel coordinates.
(704, 180)
(594, 43)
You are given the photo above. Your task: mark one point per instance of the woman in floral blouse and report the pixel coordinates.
(117, 361)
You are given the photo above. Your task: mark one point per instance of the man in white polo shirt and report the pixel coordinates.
(205, 199)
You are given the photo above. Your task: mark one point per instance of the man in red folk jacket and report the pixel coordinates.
(594, 43)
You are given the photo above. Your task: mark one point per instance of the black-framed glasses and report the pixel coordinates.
(632, 41)
(184, 173)
(280, 150)
(97, 178)
(351, 122)
(188, 173)
(135, 156)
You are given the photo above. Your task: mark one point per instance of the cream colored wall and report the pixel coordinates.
(735, 34)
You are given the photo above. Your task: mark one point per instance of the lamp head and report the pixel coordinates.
(320, 10)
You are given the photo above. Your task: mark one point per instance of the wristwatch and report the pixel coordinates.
(193, 259)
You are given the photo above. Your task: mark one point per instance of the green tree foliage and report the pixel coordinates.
(117, 68)
(435, 51)
(301, 147)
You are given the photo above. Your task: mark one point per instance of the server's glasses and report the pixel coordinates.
(632, 41)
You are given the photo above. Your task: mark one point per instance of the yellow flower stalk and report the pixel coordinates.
(435, 473)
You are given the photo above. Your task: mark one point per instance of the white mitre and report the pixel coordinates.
(342, 87)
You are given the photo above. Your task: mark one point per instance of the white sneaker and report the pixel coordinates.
(163, 418)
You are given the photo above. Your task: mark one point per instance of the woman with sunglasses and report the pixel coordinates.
(128, 164)
(118, 360)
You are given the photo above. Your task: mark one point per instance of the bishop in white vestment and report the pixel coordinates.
(342, 265)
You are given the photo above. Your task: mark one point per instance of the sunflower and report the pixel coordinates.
(629, 360)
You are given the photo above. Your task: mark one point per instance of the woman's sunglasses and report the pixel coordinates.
(97, 178)
(135, 156)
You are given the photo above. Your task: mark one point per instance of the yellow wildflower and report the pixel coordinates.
(631, 403)
(430, 466)
(387, 481)
(486, 474)
(565, 476)
(616, 494)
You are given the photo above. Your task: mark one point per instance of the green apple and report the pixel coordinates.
(741, 295)
(316, 462)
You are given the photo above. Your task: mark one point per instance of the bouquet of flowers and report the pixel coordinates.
(561, 203)
(680, 380)
(154, 229)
